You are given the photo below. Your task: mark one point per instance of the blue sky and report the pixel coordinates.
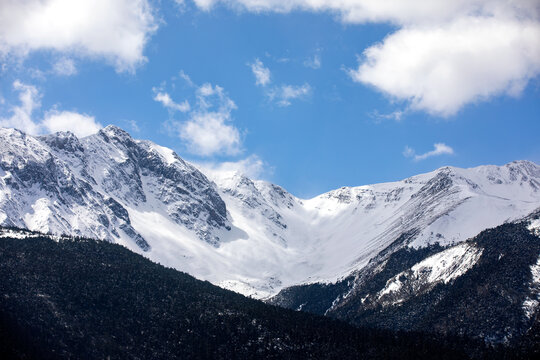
(311, 95)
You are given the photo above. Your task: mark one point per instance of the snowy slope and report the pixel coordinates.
(442, 267)
(331, 235)
(246, 235)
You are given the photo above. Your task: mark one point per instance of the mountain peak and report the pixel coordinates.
(63, 140)
(525, 165)
(5, 131)
(113, 131)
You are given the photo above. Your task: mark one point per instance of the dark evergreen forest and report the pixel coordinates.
(86, 299)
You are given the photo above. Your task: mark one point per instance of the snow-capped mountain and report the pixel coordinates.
(487, 287)
(101, 185)
(246, 235)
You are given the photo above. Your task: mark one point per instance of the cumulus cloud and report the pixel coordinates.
(441, 70)
(116, 30)
(79, 124)
(207, 133)
(207, 129)
(22, 116)
(438, 149)
(284, 94)
(262, 73)
(252, 166)
(443, 55)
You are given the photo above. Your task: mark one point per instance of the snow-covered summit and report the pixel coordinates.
(93, 186)
(247, 235)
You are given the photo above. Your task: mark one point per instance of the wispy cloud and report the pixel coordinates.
(133, 125)
(394, 115)
(438, 149)
(65, 67)
(262, 73)
(21, 115)
(186, 78)
(313, 62)
(165, 99)
(284, 94)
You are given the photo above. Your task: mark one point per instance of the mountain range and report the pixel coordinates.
(246, 235)
(371, 255)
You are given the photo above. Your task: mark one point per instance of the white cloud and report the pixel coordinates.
(313, 62)
(79, 124)
(165, 99)
(134, 126)
(253, 167)
(208, 128)
(262, 73)
(65, 67)
(207, 90)
(116, 30)
(394, 115)
(22, 116)
(284, 94)
(208, 133)
(186, 78)
(394, 11)
(438, 149)
(180, 3)
(441, 70)
(408, 152)
(444, 54)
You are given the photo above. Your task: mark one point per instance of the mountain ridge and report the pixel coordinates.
(487, 287)
(246, 235)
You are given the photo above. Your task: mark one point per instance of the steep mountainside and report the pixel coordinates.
(246, 235)
(87, 299)
(100, 185)
(487, 287)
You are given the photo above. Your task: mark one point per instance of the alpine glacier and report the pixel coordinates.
(243, 234)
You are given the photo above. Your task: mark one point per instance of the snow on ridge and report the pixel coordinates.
(166, 154)
(442, 267)
(534, 227)
(27, 234)
(530, 305)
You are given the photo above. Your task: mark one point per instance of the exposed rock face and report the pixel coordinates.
(62, 184)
